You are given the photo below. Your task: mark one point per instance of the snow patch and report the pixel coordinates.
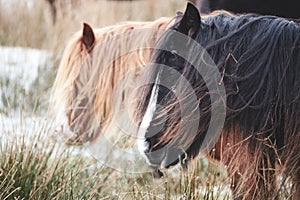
(22, 64)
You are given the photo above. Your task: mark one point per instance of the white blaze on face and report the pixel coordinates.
(141, 141)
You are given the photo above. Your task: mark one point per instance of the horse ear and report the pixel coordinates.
(190, 23)
(88, 36)
(178, 17)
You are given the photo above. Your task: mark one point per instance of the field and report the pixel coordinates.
(34, 162)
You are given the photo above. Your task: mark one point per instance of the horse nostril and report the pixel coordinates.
(157, 173)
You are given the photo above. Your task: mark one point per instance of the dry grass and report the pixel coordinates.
(34, 164)
(31, 25)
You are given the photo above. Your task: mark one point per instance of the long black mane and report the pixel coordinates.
(258, 58)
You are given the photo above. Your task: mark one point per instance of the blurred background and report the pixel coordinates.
(48, 23)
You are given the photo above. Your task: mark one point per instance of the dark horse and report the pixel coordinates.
(287, 8)
(248, 65)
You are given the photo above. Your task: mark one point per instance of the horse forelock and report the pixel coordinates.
(67, 73)
(121, 58)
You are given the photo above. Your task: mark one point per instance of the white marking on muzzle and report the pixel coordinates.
(141, 141)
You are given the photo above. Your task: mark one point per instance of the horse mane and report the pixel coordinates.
(258, 58)
(98, 75)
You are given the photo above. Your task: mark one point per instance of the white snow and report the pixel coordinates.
(19, 66)
(22, 64)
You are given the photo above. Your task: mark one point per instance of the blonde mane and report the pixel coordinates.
(98, 77)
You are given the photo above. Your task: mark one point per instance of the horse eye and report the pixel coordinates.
(173, 56)
(170, 57)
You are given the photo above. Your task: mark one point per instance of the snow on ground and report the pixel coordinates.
(23, 76)
(18, 126)
(19, 69)
(22, 64)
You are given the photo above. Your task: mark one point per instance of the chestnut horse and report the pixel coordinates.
(95, 70)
